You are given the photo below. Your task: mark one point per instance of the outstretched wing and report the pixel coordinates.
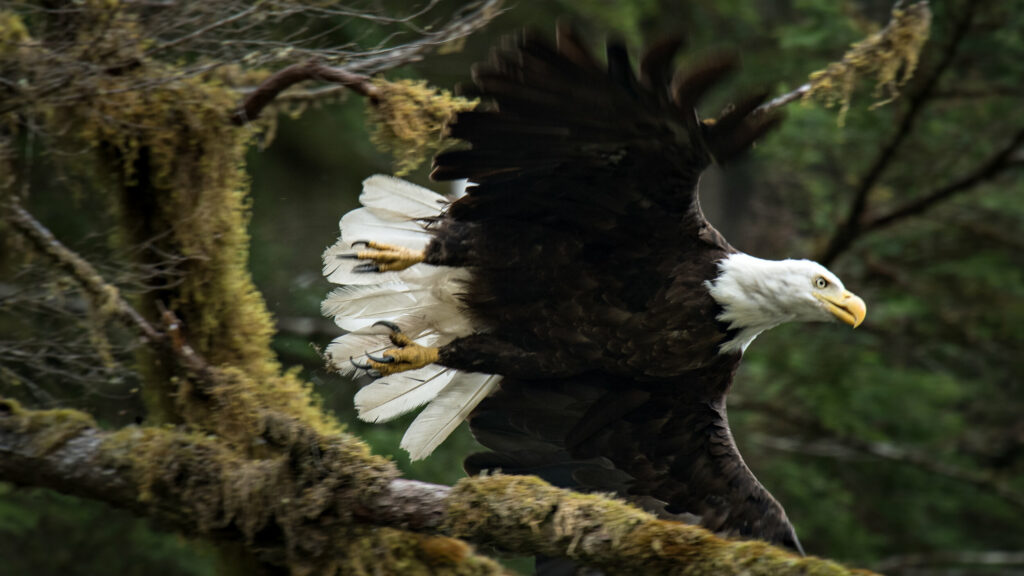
(565, 139)
(658, 446)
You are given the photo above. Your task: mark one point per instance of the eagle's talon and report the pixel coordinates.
(381, 359)
(358, 365)
(389, 325)
(382, 257)
(374, 374)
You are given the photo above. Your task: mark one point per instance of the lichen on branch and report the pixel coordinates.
(890, 56)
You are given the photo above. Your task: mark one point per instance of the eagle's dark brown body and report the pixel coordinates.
(590, 257)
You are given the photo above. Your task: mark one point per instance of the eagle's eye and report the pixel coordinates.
(821, 283)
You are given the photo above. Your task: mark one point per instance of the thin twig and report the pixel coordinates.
(106, 296)
(103, 295)
(354, 74)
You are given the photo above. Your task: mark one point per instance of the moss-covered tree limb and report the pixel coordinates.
(298, 509)
(312, 504)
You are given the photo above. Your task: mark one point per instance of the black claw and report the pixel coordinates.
(358, 365)
(360, 243)
(389, 325)
(348, 256)
(368, 267)
(381, 359)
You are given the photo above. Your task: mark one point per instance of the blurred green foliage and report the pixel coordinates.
(835, 423)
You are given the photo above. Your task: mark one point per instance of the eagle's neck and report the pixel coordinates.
(751, 292)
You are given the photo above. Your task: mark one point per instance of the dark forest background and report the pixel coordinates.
(898, 446)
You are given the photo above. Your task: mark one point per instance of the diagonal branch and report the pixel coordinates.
(1001, 161)
(328, 486)
(104, 296)
(852, 227)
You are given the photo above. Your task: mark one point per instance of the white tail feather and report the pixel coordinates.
(397, 394)
(386, 195)
(444, 414)
(355, 307)
(422, 299)
(362, 224)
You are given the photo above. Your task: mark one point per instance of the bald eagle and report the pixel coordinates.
(575, 305)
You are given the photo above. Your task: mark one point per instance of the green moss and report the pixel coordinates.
(526, 515)
(307, 496)
(183, 190)
(408, 119)
(890, 55)
(47, 430)
(13, 32)
(369, 550)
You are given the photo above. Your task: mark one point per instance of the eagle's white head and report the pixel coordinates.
(757, 294)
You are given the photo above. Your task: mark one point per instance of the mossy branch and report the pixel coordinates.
(890, 56)
(320, 504)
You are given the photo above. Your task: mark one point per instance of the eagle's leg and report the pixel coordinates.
(407, 355)
(382, 257)
(491, 354)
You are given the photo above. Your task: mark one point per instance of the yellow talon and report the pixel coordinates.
(407, 356)
(388, 258)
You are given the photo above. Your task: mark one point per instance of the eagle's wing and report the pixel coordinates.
(563, 139)
(656, 446)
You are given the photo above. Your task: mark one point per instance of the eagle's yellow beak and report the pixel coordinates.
(847, 307)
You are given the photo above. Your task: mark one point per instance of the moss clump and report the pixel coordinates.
(558, 522)
(46, 430)
(883, 55)
(304, 497)
(368, 551)
(408, 119)
(13, 32)
(526, 515)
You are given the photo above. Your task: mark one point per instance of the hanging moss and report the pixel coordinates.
(890, 56)
(408, 119)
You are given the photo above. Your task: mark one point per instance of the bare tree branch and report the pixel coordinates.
(352, 75)
(281, 80)
(908, 562)
(845, 448)
(104, 295)
(1000, 161)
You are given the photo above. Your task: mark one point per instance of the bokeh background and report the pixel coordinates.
(898, 446)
